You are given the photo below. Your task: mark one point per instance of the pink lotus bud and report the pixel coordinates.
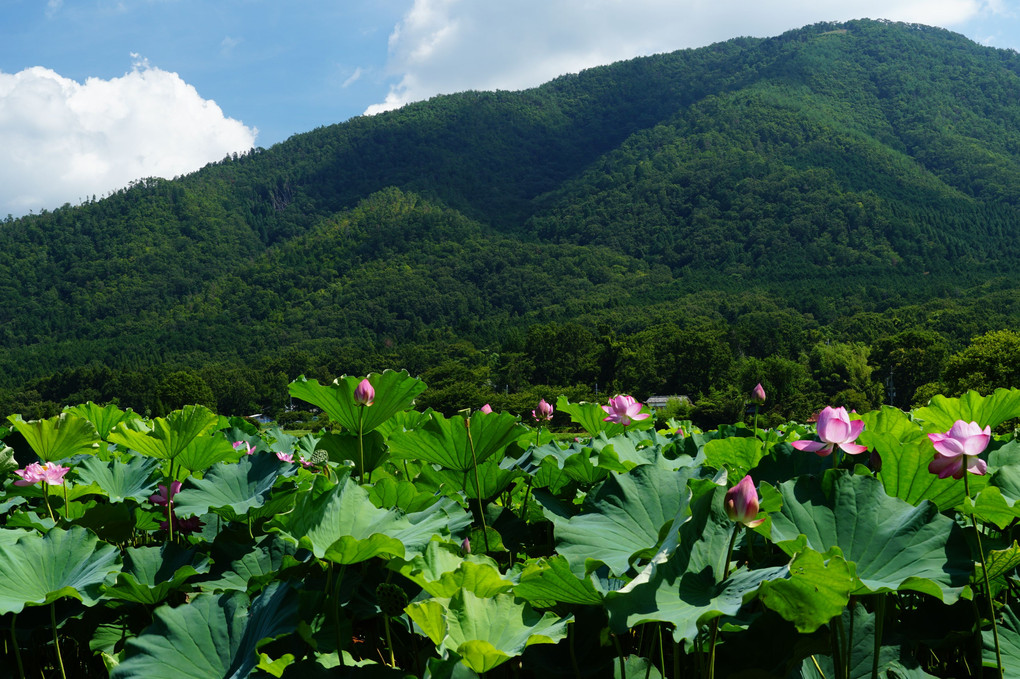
(364, 395)
(758, 394)
(466, 546)
(485, 409)
(543, 413)
(741, 503)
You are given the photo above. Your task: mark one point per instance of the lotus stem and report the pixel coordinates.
(879, 623)
(619, 653)
(478, 483)
(389, 640)
(715, 621)
(361, 442)
(56, 642)
(984, 576)
(17, 651)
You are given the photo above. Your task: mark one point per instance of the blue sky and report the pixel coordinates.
(96, 93)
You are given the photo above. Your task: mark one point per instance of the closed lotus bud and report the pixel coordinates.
(486, 409)
(741, 503)
(758, 394)
(364, 395)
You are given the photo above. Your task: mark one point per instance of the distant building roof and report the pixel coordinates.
(659, 402)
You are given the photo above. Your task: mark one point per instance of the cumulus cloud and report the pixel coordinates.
(445, 46)
(65, 140)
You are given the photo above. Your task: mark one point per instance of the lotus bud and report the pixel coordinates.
(741, 503)
(485, 409)
(758, 394)
(544, 412)
(364, 395)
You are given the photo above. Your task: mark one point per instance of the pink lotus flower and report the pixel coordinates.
(741, 503)
(285, 457)
(245, 446)
(485, 409)
(957, 450)
(51, 473)
(623, 409)
(834, 429)
(364, 395)
(758, 394)
(163, 498)
(543, 413)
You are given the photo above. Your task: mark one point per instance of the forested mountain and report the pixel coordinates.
(682, 223)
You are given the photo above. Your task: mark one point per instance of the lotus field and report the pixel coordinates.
(397, 543)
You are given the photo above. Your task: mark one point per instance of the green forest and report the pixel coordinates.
(832, 212)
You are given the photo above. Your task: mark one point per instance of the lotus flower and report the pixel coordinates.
(543, 413)
(285, 457)
(834, 429)
(623, 409)
(741, 503)
(51, 473)
(758, 394)
(364, 395)
(182, 526)
(485, 409)
(957, 450)
(163, 498)
(245, 446)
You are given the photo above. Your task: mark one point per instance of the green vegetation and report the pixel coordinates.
(831, 212)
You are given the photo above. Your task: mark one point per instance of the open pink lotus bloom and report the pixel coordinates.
(544, 411)
(957, 450)
(485, 409)
(623, 409)
(163, 498)
(741, 503)
(245, 446)
(364, 395)
(834, 429)
(285, 457)
(51, 473)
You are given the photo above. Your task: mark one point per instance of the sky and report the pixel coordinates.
(97, 93)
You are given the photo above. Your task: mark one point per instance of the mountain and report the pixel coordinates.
(841, 181)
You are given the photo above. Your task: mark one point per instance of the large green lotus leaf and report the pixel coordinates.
(991, 507)
(488, 631)
(255, 567)
(894, 662)
(233, 489)
(340, 523)
(1001, 563)
(1009, 645)
(906, 452)
(390, 493)
(41, 569)
(59, 437)
(394, 392)
(632, 449)
(446, 442)
(737, 454)
(591, 417)
(134, 479)
(575, 460)
(816, 592)
(103, 418)
(1007, 480)
(213, 636)
(151, 573)
(894, 545)
(442, 571)
(686, 588)
(988, 411)
(167, 437)
(625, 516)
(493, 478)
(550, 579)
(7, 461)
(342, 447)
(205, 451)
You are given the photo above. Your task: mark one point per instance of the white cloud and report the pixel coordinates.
(353, 77)
(445, 46)
(64, 140)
